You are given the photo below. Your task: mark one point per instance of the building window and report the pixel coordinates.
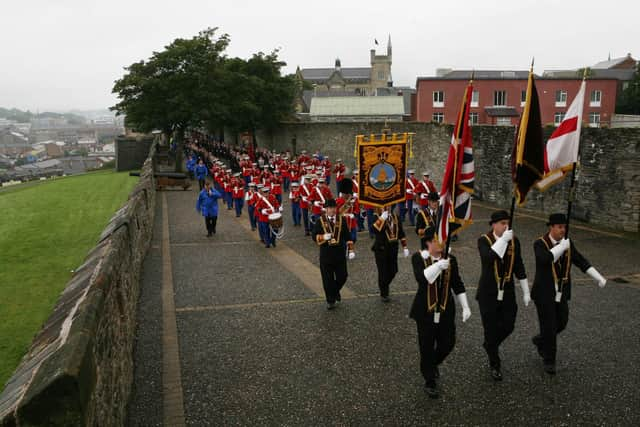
(596, 97)
(438, 98)
(475, 98)
(594, 120)
(558, 118)
(500, 98)
(523, 98)
(503, 121)
(380, 75)
(561, 98)
(437, 117)
(473, 118)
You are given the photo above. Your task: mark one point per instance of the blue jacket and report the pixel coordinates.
(191, 164)
(201, 171)
(207, 204)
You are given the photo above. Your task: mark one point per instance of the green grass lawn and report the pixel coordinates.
(46, 230)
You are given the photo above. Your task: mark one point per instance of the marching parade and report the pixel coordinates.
(299, 186)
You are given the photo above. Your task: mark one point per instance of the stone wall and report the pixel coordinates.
(131, 152)
(79, 368)
(608, 191)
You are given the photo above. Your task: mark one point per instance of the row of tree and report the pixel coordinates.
(193, 84)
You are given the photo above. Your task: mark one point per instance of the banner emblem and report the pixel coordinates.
(382, 161)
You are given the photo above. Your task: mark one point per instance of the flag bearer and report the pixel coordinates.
(502, 267)
(551, 289)
(433, 308)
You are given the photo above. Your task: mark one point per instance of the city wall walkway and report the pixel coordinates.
(231, 333)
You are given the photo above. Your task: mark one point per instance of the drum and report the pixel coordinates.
(275, 220)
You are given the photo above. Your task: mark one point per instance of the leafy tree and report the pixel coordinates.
(169, 91)
(629, 99)
(192, 84)
(256, 95)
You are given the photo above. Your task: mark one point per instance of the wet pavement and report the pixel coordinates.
(258, 347)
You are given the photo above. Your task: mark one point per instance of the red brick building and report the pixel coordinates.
(499, 96)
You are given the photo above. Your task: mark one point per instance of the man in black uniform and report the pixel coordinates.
(331, 233)
(428, 216)
(388, 231)
(433, 308)
(551, 289)
(501, 259)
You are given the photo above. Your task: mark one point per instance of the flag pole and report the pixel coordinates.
(572, 187)
(455, 173)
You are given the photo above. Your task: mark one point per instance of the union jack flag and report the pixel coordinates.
(459, 174)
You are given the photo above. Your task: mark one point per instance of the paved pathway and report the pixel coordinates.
(231, 333)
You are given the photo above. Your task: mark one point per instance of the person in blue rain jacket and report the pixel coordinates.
(207, 205)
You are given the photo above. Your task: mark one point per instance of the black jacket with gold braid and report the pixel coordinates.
(544, 283)
(419, 308)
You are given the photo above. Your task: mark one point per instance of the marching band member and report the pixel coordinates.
(331, 233)
(501, 260)
(237, 193)
(266, 205)
(294, 199)
(305, 202)
(319, 196)
(389, 232)
(428, 216)
(251, 199)
(551, 289)
(433, 307)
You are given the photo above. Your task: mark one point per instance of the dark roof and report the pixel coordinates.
(611, 62)
(618, 74)
(501, 111)
(321, 74)
(481, 75)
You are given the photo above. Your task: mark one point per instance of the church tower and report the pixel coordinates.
(381, 69)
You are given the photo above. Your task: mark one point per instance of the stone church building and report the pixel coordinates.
(350, 81)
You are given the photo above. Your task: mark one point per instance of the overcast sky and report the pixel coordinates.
(64, 54)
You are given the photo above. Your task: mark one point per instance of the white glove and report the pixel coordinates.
(526, 294)
(405, 252)
(280, 209)
(305, 199)
(595, 275)
(350, 216)
(327, 236)
(424, 253)
(500, 246)
(560, 248)
(464, 303)
(384, 215)
(443, 264)
(507, 235)
(352, 254)
(264, 212)
(432, 272)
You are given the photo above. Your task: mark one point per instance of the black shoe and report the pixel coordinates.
(338, 297)
(496, 374)
(274, 243)
(432, 391)
(436, 373)
(267, 246)
(331, 305)
(550, 368)
(537, 341)
(306, 233)
(386, 299)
